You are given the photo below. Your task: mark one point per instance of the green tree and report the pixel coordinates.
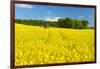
(77, 24)
(61, 23)
(66, 23)
(84, 24)
(69, 22)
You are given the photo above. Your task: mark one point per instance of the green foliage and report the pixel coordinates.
(69, 22)
(77, 24)
(62, 22)
(66, 23)
(84, 24)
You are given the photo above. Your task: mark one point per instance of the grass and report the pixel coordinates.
(36, 45)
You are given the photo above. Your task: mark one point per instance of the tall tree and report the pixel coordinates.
(66, 23)
(77, 24)
(62, 23)
(69, 22)
(84, 24)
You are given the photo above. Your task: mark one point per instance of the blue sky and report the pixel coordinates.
(53, 13)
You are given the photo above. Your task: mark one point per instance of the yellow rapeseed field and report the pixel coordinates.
(37, 45)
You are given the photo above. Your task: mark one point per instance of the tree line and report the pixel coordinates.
(62, 23)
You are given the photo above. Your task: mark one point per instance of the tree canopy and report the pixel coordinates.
(84, 24)
(62, 22)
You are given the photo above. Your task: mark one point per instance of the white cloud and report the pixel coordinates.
(81, 17)
(23, 5)
(52, 18)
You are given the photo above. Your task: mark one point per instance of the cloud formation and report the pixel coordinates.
(23, 6)
(81, 17)
(52, 18)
